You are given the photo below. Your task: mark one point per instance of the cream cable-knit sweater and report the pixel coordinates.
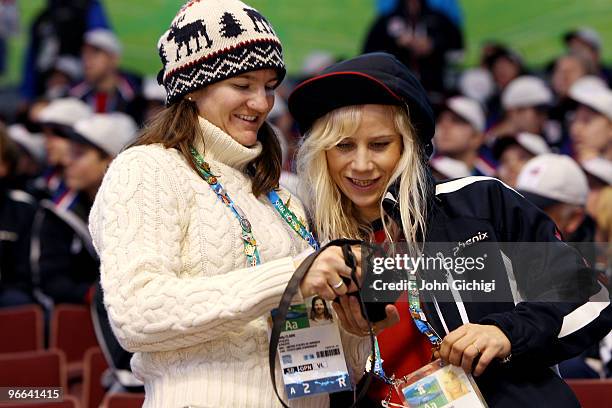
(175, 285)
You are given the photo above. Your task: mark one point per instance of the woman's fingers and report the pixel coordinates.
(485, 359)
(458, 349)
(325, 275)
(326, 292)
(470, 354)
(338, 286)
(449, 340)
(474, 342)
(315, 283)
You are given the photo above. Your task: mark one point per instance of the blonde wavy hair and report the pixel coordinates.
(334, 215)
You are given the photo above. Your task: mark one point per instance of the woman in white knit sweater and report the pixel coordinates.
(194, 249)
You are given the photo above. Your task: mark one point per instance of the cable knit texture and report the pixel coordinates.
(175, 281)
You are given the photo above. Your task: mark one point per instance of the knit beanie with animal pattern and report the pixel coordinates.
(212, 40)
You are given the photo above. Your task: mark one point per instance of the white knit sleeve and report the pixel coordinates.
(137, 227)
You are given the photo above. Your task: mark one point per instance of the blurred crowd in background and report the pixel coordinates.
(546, 133)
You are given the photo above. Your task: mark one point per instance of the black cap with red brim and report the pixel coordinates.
(375, 78)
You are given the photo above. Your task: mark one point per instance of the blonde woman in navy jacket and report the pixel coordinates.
(368, 127)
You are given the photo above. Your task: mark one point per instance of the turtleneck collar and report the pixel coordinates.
(219, 146)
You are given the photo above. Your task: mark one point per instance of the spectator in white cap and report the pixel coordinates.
(33, 153)
(526, 102)
(459, 134)
(567, 69)
(57, 120)
(105, 87)
(558, 186)
(504, 65)
(591, 125)
(587, 42)
(94, 144)
(477, 83)
(512, 152)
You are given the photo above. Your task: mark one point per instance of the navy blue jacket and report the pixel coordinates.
(17, 210)
(552, 306)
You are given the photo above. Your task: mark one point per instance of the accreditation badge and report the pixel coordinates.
(310, 351)
(439, 385)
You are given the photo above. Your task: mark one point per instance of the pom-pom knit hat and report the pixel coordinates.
(212, 40)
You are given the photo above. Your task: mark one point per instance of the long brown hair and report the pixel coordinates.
(177, 126)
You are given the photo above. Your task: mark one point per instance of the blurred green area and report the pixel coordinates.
(533, 28)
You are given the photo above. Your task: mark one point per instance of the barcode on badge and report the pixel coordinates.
(328, 353)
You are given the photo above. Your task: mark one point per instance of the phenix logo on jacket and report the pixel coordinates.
(481, 236)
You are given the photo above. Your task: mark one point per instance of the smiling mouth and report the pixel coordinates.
(248, 118)
(363, 183)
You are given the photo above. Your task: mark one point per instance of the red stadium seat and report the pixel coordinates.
(592, 393)
(45, 368)
(123, 400)
(68, 402)
(93, 368)
(25, 325)
(72, 332)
